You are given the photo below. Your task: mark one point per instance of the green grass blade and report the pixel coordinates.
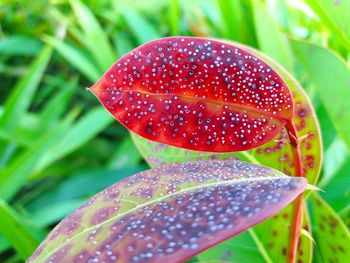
(231, 15)
(76, 57)
(335, 16)
(57, 105)
(142, 29)
(122, 43)
(174, 17)
(4, 244)
(14, 176)
(95, 37)
(270, 38)
(15, 232)
(54, 212)
(19, 100)
(20, 45)
(83, 131)
(331, 76)
(233, 20)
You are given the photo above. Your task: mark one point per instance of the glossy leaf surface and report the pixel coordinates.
(276, 153)
(196, 93)
(171, 212)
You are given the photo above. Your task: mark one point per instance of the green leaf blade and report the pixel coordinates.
(332, 80)
(19, 100)
(270, 38)
(15, 232)
(332, 237)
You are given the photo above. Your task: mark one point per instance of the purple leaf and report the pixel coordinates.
(169, 213)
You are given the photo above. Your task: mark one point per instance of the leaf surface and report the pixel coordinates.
(331, 234)
(276, 153)
(242, 248)
(170, 213)
(198, 94)
(334, 72)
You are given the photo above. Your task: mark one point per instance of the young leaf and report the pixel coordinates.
(172, 212)
(197, 94)
(156, 154)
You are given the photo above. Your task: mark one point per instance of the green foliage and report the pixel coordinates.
(21, 97)
(57, 149)
(331, 234)
(331, 78)
(13, 229)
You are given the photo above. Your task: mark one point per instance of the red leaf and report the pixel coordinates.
(198, 94)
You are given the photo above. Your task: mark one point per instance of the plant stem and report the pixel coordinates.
(297, 211)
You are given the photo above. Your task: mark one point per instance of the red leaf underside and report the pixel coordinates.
(169, 213)
(197, 94)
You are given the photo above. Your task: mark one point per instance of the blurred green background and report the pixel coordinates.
(58, 146)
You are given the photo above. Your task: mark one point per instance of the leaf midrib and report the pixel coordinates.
(215, 102)
(189, 189)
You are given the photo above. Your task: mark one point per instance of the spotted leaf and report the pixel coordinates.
(332, 237)
(276, 153)
(169, 213)
(195, 93)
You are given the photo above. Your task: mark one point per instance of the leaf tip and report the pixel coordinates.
(313, 188)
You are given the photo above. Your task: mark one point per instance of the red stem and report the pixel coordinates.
(297, 210)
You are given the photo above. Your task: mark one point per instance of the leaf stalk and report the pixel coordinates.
(297, 210)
